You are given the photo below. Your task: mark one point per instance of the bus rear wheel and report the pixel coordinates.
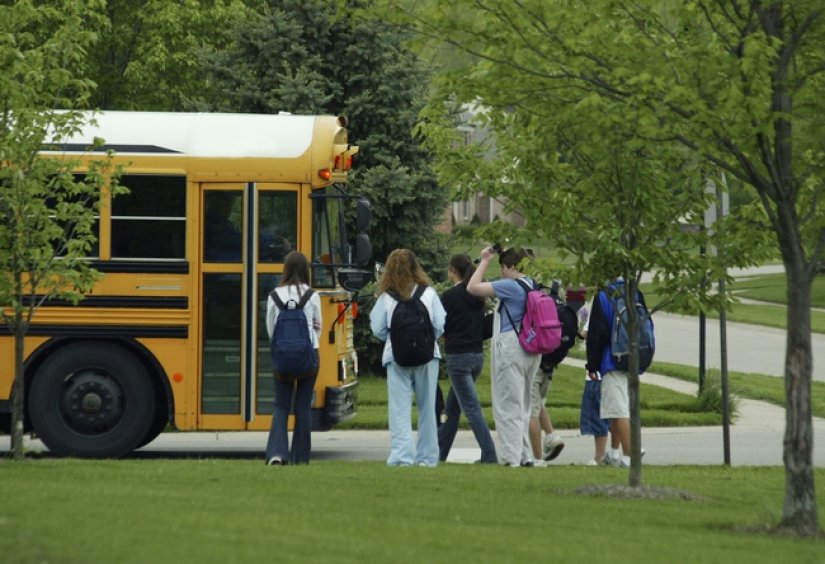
(91, 400)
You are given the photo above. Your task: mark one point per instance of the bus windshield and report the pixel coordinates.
(329, 236)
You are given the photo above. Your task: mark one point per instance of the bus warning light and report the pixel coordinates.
(177, 377)
(343, 162)
(325, 174)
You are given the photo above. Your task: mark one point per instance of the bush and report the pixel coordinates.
(710, 399)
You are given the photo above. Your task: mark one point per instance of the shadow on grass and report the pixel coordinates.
(623, 491)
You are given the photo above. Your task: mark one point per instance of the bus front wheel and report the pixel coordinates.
(91, 400)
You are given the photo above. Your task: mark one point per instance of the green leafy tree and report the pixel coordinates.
(47, 215)
(737, 87)
(146, 56)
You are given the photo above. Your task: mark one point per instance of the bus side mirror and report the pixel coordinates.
(363, 249)
(363, 215)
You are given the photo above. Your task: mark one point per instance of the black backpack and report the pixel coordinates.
(569, 332)
(293, 355)
(411, 331)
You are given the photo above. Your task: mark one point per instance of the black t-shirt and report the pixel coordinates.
(465, 321)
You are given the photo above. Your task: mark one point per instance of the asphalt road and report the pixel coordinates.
(750, 348)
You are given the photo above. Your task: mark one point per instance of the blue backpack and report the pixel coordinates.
(293, 355)
(620, 337)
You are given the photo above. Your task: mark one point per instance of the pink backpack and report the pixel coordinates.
(540, 327)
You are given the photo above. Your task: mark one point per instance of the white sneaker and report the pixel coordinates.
(592, 462)
(540, 464)
(553, 446)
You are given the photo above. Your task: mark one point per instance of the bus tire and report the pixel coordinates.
(160, 420)
(91, 400)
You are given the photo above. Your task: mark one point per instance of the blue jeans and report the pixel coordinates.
(298, 395)
(464, 369)
(402, 383)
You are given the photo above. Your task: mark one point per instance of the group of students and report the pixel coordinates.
(519, 385)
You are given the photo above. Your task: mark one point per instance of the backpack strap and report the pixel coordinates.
(507, 311)
(281, 305)
(277, 299)
(524, 285)
(305, 298)
(418, 293)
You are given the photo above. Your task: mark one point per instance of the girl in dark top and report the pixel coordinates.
(465, 358)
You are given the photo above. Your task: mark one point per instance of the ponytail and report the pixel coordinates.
(464, 266)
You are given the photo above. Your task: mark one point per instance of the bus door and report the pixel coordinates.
(246, 231)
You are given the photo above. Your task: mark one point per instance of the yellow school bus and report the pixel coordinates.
(174, 332)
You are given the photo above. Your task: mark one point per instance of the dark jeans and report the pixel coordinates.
(464, 369)
(296, 394)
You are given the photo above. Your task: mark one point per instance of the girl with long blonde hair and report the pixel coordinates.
(403, 275)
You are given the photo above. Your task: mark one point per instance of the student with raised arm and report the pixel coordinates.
(512, 369)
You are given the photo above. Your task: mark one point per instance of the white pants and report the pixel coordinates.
(512, 373)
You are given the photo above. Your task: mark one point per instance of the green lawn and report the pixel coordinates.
(751, 386)
(773, 288)
(231, 510)
(660, 407)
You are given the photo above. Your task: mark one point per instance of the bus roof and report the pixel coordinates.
(219, 135)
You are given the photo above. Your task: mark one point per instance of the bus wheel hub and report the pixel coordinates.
(92, 402)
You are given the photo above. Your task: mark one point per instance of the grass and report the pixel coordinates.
(771, 289)
(230, 510)
(660, 407)
(752, 386)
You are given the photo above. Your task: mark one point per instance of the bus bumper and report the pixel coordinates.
(340, 405)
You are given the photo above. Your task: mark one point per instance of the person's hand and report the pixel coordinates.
(487, 254)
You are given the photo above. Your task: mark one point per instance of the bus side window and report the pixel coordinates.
(278, 226)
(150, 221)
(222, 226)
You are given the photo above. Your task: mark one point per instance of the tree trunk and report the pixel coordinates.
(18, 389)
(635, 474)
(800, 509)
